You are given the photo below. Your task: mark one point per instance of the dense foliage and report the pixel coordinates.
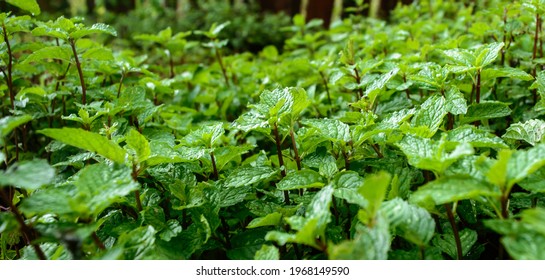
(417, 138)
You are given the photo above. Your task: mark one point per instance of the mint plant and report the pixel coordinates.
(420, 137)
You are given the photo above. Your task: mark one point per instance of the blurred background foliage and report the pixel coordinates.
(254, 24)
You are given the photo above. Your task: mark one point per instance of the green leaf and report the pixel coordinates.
(534, 182)
(431, 114)
(367, 244)
(486, 54)
(310, 227)
(247, 175)
(333, 130)
(374, 191)
(505, 72)
(94, 29)
(225, 197)
(323, 161)
(432, 155)
(139, 144)
(56, 52)
(208, 135)
(452, 189)
(272, 219)
(301, 179)
(50, 200)
(154, 216)
(455, 102)
(100, 185)
(525, 162)
(476, 137)
(267, 252)
(172, 229)
(138, 243)
(87, 140)
(486, 110)
(29, 175)
(411, 222)
(379, 83)
(8, 124)
(531, 131)
(98, 53)
(447, 243)
(27, 5)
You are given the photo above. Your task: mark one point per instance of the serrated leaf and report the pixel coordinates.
(172, 229)
(27, 5)
(451, 189)
(267, 252)
(272, 219)
(486, 54)
(247, 175)
(333, 130)
(411, 222)
(505, 72)
(455, 103)
(431, 114)
(139, 144)
(525, 162)
(531, 131)
(98, 53)
(94, 29)
(374, 191)
(207, 135)
(9, 123)
(486, 110)
(300, 179)
(138, 243)
(447, 243)
(476, 137)
(432, 155)
(379, 83)
(56, 52)
(29, 175)
(100, 185)
(87, 140)
(368, 243)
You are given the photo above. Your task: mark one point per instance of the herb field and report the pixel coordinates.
(419, 137)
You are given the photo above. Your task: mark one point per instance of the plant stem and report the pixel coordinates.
(377, 150)
(28, 232)
(222, 66)
(214, 168)
(97, 241)
(225, 228)
(478, 87)
(280, 160)
(171, 64)
(9, 79)
(452, 221)
(295, 151)
(120, 84)
(326, 87)
(80, 72)
(358, 80)
(346, 159)
(536, 37)
(504, 200)
(11, 90)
